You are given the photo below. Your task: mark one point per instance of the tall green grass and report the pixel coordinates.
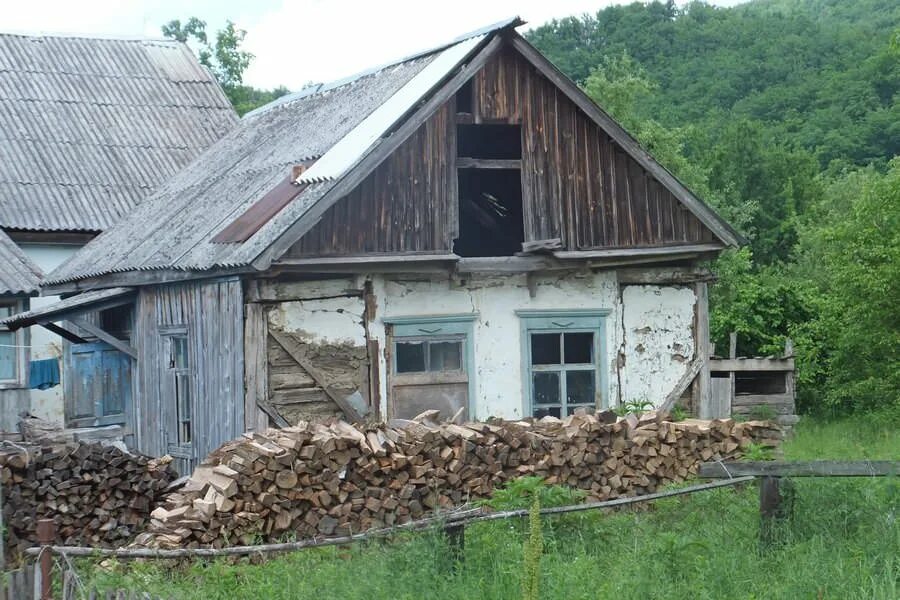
(844, 542)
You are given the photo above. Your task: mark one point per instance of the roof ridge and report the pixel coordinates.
(100, 37)
(320, 88)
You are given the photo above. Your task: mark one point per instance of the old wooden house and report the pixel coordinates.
(462, 230)
(90, 127)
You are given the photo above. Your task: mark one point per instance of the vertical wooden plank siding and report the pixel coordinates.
(256, 382)
(577, 183)
(212, 312)
(403, 206)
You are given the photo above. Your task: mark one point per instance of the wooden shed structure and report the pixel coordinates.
(463, 230)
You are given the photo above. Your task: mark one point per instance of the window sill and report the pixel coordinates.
(12, 385)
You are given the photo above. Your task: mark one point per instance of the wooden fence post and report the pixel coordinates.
(776, 507)
(46, 535)
(456, 540)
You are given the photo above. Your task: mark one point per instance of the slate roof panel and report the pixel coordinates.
(89, 127)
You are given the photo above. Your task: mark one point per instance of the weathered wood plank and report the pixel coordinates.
(752, 364)
(290, 346)
(814, 468)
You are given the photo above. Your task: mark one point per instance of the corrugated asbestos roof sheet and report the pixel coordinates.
(75, 305)
(89, 127)
(18, 275)
(174, 228)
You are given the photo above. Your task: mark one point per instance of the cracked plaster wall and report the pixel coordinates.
(654, 332)
(497, 333)
(659, 340)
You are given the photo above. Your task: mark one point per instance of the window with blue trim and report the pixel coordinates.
(431, 365)
(562, 361)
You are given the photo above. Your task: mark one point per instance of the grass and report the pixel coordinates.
(844, 542)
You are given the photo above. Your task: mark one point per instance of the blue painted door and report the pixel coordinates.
(98, 385)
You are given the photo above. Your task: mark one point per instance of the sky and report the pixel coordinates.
(296, 42)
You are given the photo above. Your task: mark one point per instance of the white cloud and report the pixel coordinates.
(318, 40)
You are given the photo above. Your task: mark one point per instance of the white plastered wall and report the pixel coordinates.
(648, 345)
(658, 326)
(47, 404)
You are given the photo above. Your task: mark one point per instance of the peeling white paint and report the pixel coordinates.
(497, 331)
(656, 340)
(659, 340)
(328, 320)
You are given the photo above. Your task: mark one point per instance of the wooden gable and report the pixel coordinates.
(577, 183)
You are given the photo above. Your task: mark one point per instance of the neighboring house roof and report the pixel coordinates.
(18, 275)
(348, 126)
(89, 127)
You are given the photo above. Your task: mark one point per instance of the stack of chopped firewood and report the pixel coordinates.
(98, 495)
(323, 480)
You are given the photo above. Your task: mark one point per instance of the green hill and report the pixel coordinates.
(817, 73)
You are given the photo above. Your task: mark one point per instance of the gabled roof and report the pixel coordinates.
(349, 127)
(18, 275)
(89, 127)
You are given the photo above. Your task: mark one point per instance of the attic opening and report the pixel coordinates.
(491, 218)
(490, 213)
(502, 142)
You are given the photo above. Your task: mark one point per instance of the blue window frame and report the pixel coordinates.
(563, 361)
(431, 364)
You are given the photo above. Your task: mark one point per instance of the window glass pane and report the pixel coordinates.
(410, 357)
(183, 404)
(545, 349)
(580, 387)
(7, 354)
(179, 352)
(6, 311)
(445, 356)
(578, 348)
(546, 388)
(553, 411)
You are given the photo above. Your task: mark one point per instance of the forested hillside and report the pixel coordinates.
(783, 114)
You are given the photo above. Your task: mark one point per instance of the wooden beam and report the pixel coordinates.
(488, 163)
(813, 468)
(664, 276)
(683, 383)
(366, 259)
(752, 364)
(256, 372)
(106, 337)
(638, 252)
(266, 407)
(290, 346)
(377, 153)
(135, 278)
(548, 245)
(708, 410)
(63, 332)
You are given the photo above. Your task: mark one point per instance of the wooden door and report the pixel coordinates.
(97, 385)
(177, 395)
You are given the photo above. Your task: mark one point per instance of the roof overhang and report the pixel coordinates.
(72, 307)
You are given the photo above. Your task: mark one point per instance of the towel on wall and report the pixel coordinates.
(43, 374)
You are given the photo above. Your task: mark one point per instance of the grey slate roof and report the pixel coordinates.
(18, 275)
(89, 127)
(173, 229)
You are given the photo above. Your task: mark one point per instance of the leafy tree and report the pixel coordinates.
(849, 253)
(225, 58)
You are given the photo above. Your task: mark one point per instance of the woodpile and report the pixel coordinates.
(98, 495)
(335, 479)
